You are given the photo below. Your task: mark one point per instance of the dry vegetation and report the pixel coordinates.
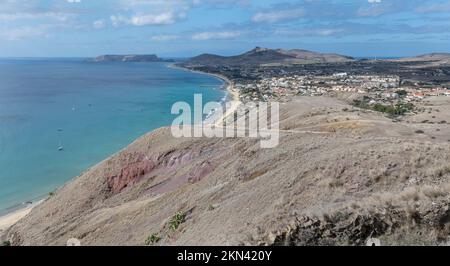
(363, 176)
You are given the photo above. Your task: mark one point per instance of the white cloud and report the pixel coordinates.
(183, 3)
(156, 6)
(164, 38)
(374, 1)
(165, 18)
(276, 16)
(152, 12)
(329, 32)
(119, 20)
(315, 32)
(216, 35)
(155, 19)
(99, 24)
(223, 3)
(43, 15)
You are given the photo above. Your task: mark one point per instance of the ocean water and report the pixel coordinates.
(91, 109)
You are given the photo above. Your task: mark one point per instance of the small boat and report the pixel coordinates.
(60, 147)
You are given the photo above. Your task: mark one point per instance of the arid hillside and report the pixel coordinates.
(340, 175)
(263, 56)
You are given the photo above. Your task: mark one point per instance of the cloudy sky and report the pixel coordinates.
(187, 27)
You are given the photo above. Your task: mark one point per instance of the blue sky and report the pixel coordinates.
(70, 28)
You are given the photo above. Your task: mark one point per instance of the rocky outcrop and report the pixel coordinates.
(130, 174)
(146, 167)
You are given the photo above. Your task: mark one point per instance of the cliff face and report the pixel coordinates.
(362, 176)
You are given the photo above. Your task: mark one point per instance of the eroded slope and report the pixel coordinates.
(339, 176)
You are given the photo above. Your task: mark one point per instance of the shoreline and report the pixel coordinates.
(235, 95)
(10, 218)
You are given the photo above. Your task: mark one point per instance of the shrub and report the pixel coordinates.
(361, 104)
(152, 239)
(176, 220)
(441, 170)
(402, 108)
(6, 243)
(397, 109)
(402, 93)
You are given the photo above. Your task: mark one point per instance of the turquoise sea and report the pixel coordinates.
(92, 110)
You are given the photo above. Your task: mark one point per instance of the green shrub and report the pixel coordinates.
(152, 239)
(6, 243)
(397, 109)
(176, 220)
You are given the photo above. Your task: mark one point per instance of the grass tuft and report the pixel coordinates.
(152, 239)
(176, 220)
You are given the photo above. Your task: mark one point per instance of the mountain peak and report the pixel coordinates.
(258, 49)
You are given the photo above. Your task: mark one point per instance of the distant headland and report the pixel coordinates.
(130, 58)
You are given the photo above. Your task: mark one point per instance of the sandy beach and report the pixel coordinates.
(233, 107)
(235, 99)
(10, 219)
(235, 96)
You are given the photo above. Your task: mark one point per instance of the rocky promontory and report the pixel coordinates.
(130, 58)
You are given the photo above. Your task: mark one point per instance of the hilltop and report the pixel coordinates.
(431, 56)
(432, 59)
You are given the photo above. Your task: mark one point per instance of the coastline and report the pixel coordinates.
(234, 99)
(9, 219)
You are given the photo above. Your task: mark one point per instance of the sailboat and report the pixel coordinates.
(60, 147)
